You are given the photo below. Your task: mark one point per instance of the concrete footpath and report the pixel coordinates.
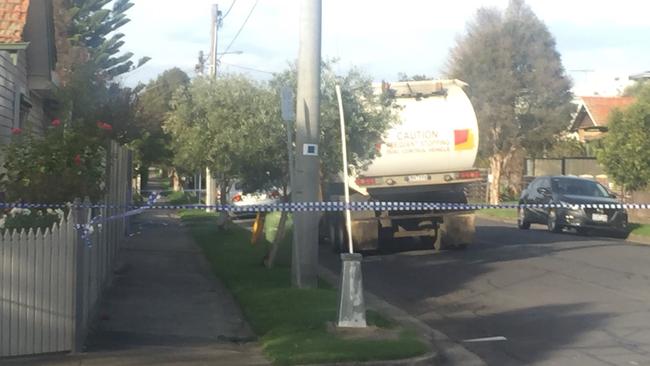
(165, 307)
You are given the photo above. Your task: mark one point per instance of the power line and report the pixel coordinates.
(249, 68)
(229, 9)
(240, 29)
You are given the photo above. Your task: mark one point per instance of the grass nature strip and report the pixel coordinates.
(291, 323)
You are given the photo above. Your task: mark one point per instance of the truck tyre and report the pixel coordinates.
(457, 231)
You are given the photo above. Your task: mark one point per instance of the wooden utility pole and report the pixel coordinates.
(304, 268)
(210, 183)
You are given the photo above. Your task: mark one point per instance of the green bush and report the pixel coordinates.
(23, 218)
(55, 168)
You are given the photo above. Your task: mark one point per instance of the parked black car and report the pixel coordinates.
(571, 191)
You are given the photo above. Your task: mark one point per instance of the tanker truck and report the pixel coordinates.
(427, 156)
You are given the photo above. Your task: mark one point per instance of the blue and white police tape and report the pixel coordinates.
(87, 229)
(340, 206)
(390, 206)
(169, 190)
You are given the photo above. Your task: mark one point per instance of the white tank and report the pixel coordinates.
(437, 131)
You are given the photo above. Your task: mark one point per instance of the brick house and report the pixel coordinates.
(27, 63)
(590, 123)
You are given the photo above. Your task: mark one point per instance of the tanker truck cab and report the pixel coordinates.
(427, 156)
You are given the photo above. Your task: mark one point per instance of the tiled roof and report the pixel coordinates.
(599, 108)
(13, 15)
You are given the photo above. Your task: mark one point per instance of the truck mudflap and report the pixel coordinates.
(365, 235)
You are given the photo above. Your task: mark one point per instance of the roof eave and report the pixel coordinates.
(13, 49)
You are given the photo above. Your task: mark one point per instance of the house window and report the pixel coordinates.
(22, 106)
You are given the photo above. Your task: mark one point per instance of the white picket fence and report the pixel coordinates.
(37, 307)
(51, 281)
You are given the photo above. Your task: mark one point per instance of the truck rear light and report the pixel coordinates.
(236, 198)
(470, 174)
(366, 181)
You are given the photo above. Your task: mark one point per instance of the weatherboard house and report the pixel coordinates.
(27, 63)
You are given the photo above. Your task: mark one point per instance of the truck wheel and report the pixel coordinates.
(457, 231)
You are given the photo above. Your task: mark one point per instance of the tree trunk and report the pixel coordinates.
(144, 176)
(496, 165)
(176, 181)
(223, 222)
(279, 237)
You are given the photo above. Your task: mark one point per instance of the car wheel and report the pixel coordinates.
(582, 230)
(552, 224)
(521, 219)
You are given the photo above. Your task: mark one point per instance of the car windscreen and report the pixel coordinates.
(578, 187)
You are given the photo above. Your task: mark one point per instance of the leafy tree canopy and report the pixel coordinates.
(93, 25)
(215, 124)
(367, 115)
(626, 148)
(153, 105)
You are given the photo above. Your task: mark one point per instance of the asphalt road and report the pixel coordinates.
(557, 299)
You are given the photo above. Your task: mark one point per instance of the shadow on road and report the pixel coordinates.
(533, 334)
(445, 289)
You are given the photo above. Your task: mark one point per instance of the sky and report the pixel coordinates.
(601, 43)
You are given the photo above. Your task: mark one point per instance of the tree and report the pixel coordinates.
(217, 124)
(153, 105)
(89, 59)
(93, 25)
(626, 148)
(636, 88)
(517, 83)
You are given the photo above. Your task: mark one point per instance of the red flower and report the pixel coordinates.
(16, 131)
(56, 122)
(77, 160)
(104, 126)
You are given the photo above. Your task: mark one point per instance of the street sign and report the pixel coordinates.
(287, 105)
